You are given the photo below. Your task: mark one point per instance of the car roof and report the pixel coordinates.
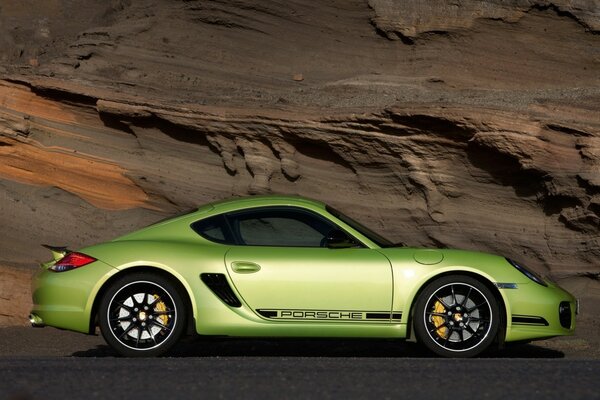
(260, 200)
(223, 206)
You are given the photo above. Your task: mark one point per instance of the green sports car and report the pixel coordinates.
(281, 266)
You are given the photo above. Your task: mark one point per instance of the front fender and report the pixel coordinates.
(410, 276)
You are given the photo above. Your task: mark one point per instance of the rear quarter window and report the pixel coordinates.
(213, 229)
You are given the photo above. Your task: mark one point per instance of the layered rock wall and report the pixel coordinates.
(471, 177)
(480, 129)
(406, 19)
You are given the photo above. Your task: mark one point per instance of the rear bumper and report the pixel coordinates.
(65, 299)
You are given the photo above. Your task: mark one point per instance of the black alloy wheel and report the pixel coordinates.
(142, 315)
(456, 316)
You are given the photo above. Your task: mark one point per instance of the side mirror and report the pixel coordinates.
(337, 239)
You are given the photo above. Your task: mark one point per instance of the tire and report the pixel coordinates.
(456, 316)
(142, 315)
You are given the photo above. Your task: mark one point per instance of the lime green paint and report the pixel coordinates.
(428, 256)
(311, 278)
(65, 299)
(365, 279)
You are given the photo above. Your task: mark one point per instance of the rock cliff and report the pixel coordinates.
(470, 124)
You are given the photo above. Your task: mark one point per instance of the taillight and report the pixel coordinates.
(71, 261)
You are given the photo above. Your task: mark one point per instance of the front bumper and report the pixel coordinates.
(537, 312)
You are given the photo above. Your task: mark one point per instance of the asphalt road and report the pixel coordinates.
(51, 364)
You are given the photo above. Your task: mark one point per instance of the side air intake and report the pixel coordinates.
(219, 286)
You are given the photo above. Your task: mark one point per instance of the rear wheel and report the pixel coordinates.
(142, 315)
(456, 316)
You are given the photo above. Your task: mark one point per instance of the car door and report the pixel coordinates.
(283, 270)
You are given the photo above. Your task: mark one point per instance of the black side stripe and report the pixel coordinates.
(267, 313)
(383, 316)
(529, 320)
(325, 315)
(378, 316)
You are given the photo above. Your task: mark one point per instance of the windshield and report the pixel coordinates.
(372, 236)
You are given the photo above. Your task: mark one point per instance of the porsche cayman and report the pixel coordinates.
(284, 266)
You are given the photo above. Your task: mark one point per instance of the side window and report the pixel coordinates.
(213, 229)
(279, 227)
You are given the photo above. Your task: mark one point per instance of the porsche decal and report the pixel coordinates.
(338, 315)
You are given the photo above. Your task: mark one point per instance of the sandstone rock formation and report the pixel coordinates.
(406, 19)
(479, 129)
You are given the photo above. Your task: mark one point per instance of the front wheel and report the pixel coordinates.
(142, 315)
(456, 316)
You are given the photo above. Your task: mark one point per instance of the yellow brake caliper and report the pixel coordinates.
(161, 306)
(438, 321)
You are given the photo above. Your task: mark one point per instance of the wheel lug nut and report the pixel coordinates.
(461, 324)
(134, 319)
(145, 307)
(451, 322)
(449, 312)
(136, 309)
(143, 324)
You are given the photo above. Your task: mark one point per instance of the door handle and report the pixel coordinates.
(245, 267)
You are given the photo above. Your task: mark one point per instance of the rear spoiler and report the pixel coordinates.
(58, 252)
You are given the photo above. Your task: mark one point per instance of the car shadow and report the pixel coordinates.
(337, 348)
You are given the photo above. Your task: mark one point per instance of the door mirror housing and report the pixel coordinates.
(337, 239)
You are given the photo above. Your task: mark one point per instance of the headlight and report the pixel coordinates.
(534, 276)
